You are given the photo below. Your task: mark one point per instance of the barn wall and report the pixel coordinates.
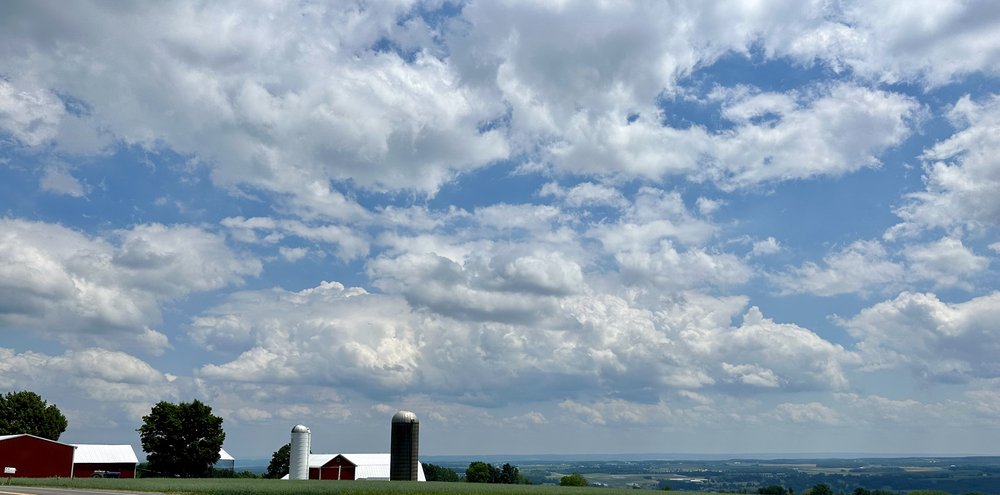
(36, 457)
(337, 468)
(86, 470)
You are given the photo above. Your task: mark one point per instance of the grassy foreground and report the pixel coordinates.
(217, 486)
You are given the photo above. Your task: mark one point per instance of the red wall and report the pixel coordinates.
(36, 457)
(87, 470)
(337, 468)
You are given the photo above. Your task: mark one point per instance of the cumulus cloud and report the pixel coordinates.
(765, 247)
(66, 285)
(30, 116)
(271, 100)
(109, 387)
(379, 345)
(866, 267)
(862, 266)
(936, 340)
(947, 262)
(960, 175)
(348, 242)
(669, 269)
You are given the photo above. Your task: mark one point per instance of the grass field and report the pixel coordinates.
(277, 487)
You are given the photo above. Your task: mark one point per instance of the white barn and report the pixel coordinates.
(353, 467)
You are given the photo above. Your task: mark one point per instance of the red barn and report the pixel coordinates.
(104, 461)
(36, 457)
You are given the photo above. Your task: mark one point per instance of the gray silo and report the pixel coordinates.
(403, 452)
(298, 459)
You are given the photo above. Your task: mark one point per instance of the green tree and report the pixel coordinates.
(479, 472)
(434, 472)
(26, 412)
(511, 475)
(278, 467)
(181, 439)
(821, 489)
(575, 479)
(772, 490)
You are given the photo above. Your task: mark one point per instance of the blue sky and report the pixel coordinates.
(580, 227)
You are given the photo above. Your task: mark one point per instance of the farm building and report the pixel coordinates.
(36, 457)
(104, 461)
(352, 467)
(225, 461)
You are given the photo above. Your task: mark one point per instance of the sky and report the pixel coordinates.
(544, 227)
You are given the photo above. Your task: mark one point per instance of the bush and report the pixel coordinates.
(575, 479)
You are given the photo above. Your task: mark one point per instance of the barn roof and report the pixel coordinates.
(8, 437)
(100, 454)
(224, 456)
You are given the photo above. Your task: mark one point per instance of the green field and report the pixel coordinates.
(266, 487)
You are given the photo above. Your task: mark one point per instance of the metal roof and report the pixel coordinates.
(224, 456)
(98, 454)
(8, 437)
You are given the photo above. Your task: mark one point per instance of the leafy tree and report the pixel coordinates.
(279, 462)
(773, 490)
(481, 472)
(575, 479)
(478, 472)
(510, 475)
(181, 439)
(26, 412)
(434, 472)
(821, 489)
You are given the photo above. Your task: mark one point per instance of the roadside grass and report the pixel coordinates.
(216, 486)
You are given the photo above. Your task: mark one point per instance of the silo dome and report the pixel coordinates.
(300, 429)
(404, 417)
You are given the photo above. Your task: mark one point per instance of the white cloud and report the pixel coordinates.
(66, 285)
(31, 116)
(960, 175)
(349, 242)
(379, 345)
(936, 340)
(862, 266)
(923, 40)
(866, 266)
(274, 99)
(653, 216)
(584, 194)
(669, 269)
(812, 412)
(841, 131)
(947, 262)
(293, 254)
(107, 386)
(61, 182)
(765, 247)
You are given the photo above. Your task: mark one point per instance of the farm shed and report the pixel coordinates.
(353, 467)
(36, 457)
(104, 460)
(225, 461)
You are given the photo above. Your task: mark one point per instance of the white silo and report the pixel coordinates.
(298, 462)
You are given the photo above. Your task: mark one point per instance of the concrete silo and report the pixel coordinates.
(405, 446)
(298, 462)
